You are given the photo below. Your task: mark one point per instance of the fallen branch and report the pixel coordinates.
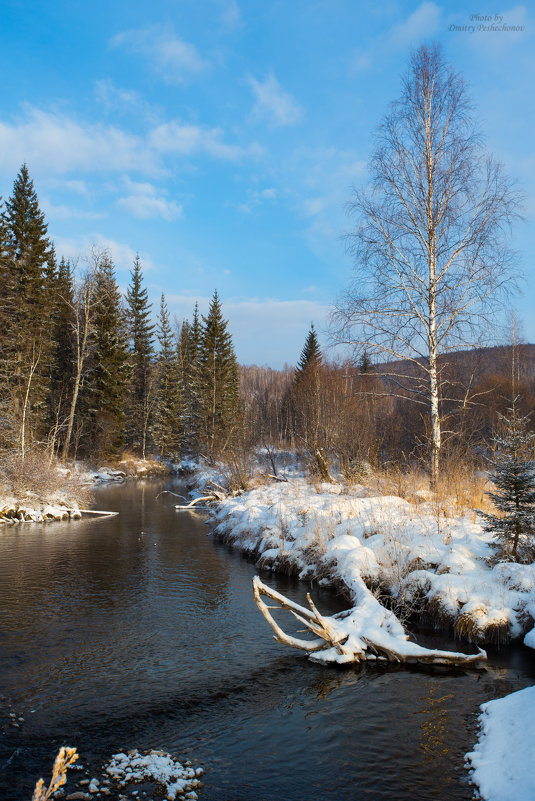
(195, 501)
(98, 512)
(168, 492)
(369, 631)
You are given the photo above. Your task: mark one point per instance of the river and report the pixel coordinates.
(140, 631)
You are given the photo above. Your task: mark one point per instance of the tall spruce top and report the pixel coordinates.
(310, 355)
(139, 312)
(26, 223)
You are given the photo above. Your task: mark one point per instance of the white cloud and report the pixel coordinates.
(169, 55)
(186, 139)
(62, 212)
(122, 255)
(231, 15)
(143, 202)
(273, 104)
(422, 23)
(54, 143)
(257, 197)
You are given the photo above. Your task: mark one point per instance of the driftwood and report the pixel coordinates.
(98, 512)
(332, 633)
(195, 501)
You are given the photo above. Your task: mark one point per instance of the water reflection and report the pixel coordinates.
(141, 631)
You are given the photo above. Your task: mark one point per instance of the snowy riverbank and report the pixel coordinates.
(502, 759)
(426, 562)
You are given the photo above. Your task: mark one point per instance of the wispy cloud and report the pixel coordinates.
(122, 254)
(422, 23)
(144, 202)
(186, 139)
(256, 197)
(231, 14)
(118, 101)
(55, 144)
(273, 104)
(173, 58)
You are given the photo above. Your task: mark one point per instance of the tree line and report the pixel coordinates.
(85, 372)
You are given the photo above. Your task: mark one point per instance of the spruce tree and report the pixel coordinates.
(167, 429)
(189, 346)
(104, 395)
(514, 494)
(27, 339)
(310, 358)
(141, 354)
(62, 357)
(218, 383)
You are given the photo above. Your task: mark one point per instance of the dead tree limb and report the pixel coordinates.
(352, 646)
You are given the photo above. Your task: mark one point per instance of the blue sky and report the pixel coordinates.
(222, 138)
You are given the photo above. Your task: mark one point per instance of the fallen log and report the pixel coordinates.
(98, 512)
(366, 632)
(195, 501)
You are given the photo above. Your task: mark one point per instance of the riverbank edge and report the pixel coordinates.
(70, 490)
(421, 596)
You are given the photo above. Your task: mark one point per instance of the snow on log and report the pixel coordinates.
(367, 631)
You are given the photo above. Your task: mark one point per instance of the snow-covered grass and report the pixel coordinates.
(423, 559)
(36, 489)
(502, 760)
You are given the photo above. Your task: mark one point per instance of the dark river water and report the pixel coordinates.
(140, 631)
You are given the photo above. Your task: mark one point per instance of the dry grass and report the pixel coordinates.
(38, 478)
(65, 758)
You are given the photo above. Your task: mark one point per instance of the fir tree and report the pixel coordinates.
(365, 363)
(27, 261)
(189, 347)
(167, 418)
(514, 495)
(218, 383)
(105, 390)
(310, 358)
(141, 354)
(62, 357)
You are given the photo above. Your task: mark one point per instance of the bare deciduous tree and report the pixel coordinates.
(83, 311)
(431, 249)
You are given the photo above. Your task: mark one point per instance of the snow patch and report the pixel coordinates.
(502, 760)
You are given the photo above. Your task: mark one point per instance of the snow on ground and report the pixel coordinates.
(173, 778)
(329, 532)
(32, 509)
(502, 760)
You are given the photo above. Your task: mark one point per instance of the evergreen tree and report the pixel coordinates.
(514, 495)
(188, 347)
(167, 419)
(218, 383)
(28, 262)
(310, 358)
(62, 357)
(104, 395)
(365, 363)
(141, 354)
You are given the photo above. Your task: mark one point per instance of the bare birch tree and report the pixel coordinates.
(83, 311)
(431, 254)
